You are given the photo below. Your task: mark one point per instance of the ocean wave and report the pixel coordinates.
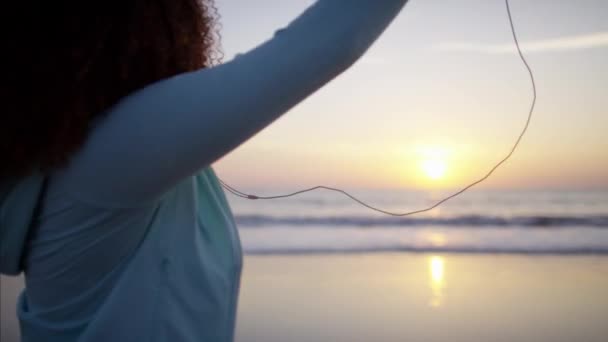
(470, 221)
(426, 249)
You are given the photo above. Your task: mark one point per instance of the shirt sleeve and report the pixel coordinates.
(171, 129)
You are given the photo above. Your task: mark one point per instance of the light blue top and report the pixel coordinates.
(134, 239)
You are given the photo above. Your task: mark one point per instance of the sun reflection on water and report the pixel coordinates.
(437, 280)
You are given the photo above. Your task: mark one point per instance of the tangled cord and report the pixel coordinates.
(458, 193)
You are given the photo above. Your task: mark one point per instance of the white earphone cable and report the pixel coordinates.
(409, 213)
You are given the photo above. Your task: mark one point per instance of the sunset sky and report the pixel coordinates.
(439, 99)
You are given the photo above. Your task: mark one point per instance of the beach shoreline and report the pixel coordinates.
(423, 297)
(387, 296)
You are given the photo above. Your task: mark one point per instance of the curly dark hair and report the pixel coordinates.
(69, 61)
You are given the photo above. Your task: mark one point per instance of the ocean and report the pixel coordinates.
(497, 266)
(480, 221)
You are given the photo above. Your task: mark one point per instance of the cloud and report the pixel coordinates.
(567, 43)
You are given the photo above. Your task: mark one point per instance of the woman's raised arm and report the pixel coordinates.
(171, 129)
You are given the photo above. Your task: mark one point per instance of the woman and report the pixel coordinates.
(108, 202)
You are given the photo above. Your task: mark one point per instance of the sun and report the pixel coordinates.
(434, 168)
(433, 163)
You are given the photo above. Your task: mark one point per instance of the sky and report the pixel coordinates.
(438, 100)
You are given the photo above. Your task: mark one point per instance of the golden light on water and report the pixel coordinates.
(437, 267)
(437, 274)
(437, 240)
